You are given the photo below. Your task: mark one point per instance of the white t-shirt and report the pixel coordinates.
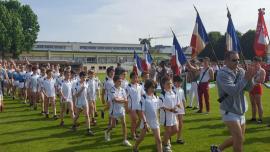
(206, 76)
(180, 100)
(48, 86)
(107, 85)
(65, 87)
(150, 106)
(82, 98)
(134, 94)
(34, 82)
(92, 88)
(117, 108)
(167, 100)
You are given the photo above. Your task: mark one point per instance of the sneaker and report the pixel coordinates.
(180, 141)
(195, 108)
(107, 136)
(127, 143)
(214, 148)
(61, 123)
(102, 114)
(167, 148)
(90, 132)
(73, 128)
(188, 107)
(259, 121)
(55, 117)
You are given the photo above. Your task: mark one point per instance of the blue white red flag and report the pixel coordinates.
(232, 41)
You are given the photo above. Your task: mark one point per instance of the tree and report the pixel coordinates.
(247, 41)
(19, 27)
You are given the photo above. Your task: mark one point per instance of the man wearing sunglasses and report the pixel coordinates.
(232, 81)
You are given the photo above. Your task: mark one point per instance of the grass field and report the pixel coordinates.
(22, 129)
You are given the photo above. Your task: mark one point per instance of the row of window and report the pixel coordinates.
(108, 48)
(50, 46)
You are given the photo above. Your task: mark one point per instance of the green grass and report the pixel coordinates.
(22, 129)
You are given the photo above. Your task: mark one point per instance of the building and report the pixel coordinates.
(96, 56)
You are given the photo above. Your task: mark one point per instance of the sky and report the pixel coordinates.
(125, 21)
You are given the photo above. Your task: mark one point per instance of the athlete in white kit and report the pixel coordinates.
(66, 97)
(118, 99)
(134, 93)
(149, 116)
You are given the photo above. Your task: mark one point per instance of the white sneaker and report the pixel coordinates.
(167, 148)
(127, 143)
(106, 136)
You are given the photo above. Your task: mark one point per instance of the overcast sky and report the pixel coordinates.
(124, 21)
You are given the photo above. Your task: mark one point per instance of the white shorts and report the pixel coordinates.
(168, 121)
(134, 106)
(16, 83)
(66, 101)
(21, 85)
(117, 114)
(180, 112)
(81, 104)
(233, 117)
(152, 124)
(91, 98)
(27, 84)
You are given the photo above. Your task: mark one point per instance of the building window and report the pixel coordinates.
(102, 60)
(91, 60)
(111, 59)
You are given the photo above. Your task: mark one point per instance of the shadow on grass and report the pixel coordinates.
(258, 140)
(209, 126)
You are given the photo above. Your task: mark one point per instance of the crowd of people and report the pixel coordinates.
(41, 86)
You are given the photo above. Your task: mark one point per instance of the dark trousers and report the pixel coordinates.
(203, 91)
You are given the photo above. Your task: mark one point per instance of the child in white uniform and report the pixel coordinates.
(180, 106)
(66, 97)
(40, 79)
(168, 106)
(48, 88)
(33, 85)
(82, 102)
(149, 115)
(119, 99)
(105, 94)
(134, 93)
(92, 92)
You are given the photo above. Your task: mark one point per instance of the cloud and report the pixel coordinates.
(124, 21)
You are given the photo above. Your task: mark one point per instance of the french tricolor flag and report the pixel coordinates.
(137, 67)
(178, 58)
(147, 61)
(232, 41)
(261, 36)
(199, 37)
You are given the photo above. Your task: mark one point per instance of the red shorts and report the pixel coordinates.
(257, 89)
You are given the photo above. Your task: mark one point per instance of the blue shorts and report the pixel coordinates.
(233, 117)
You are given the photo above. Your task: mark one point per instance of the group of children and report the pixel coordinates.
(78, 92)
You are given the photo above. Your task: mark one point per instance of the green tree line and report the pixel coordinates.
(218, 44)
(18, 28)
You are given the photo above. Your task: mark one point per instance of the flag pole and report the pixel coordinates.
(241, 50)
(212, 48)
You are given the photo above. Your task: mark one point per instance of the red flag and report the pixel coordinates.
(261, 41)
